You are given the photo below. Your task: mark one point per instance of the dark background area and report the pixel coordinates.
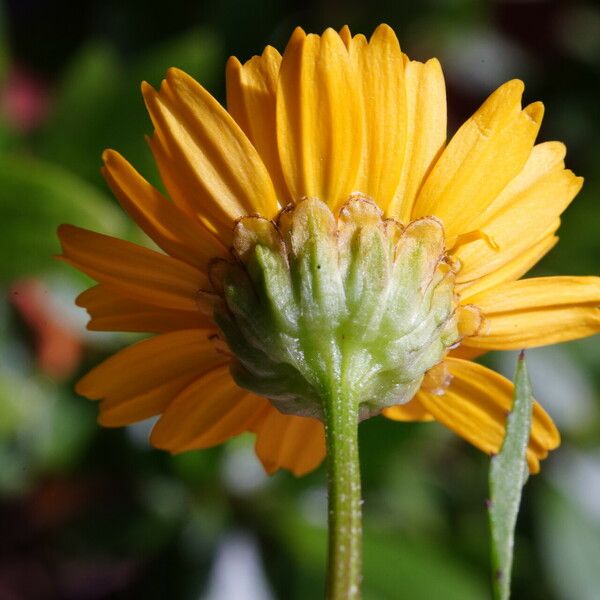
(91, 513)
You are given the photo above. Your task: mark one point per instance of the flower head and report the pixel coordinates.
(322, 229)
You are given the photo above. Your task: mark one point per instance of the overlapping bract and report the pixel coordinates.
(317, 304)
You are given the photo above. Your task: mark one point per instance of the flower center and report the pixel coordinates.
(316, 304)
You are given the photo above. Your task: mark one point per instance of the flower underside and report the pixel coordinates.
(317, 302)
(316, 305)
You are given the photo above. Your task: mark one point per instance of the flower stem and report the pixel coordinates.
(344, 499)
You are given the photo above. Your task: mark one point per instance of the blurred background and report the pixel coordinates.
(91, 513)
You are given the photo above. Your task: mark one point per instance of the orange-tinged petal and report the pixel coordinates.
(475, 407)
(425, 132)
(163, 222)
(289, 442)
(346, 35)
(379, 65)
(411, 411)
(538, 311)
(481, 159)
(178, 184)
(251, 100)
(511, 271)
(141, 380)
(208, 412)
(136, 272)
(466, 352)
(527, 211)
(319, 133)
(111, 311)
(208, 154)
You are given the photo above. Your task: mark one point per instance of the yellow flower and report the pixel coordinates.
(336, 117)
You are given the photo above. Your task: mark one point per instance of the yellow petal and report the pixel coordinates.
(136, 272)
(173, 231)
(425, 132)
(412, 411)
(111, 311)
(251, 100)
(346, 35)
(475, 407)
(319, 132)
(289, 442)
(208, 154)
(511, 271)
(140, 380)
(379, 65)
(208, 412)
(525, 213)
(178, 183)
(538, 311)
(481, 159)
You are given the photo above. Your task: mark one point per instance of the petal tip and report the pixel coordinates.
(65, 230)
(83, 388)
(434, 63)
(233, 65)
(385, 32)
(346, 35)
(535, 111)
(511, 91)
(146, 88)
(298, 35)
(110, 157)
(515, 86)
(174, 73)
(158, 439)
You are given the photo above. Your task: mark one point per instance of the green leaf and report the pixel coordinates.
(508, 474)
(36, 198)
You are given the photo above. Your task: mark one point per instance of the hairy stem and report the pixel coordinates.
(344, 499)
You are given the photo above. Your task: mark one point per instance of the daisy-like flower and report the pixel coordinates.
(321, 229)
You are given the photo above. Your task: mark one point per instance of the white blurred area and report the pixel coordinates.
(577, 475)
(484, 60)
(237, 572)
(561, 386)
(241, 471)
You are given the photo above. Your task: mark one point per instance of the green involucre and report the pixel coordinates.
(316, 305)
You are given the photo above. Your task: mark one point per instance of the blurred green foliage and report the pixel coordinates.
(87, 512)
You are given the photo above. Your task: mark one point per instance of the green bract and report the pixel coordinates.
(318, 305)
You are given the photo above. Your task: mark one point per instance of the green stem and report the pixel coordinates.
(344, 499)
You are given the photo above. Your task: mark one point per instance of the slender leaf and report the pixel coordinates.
(508, 473)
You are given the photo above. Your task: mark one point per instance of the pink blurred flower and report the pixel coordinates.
(24, 99)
